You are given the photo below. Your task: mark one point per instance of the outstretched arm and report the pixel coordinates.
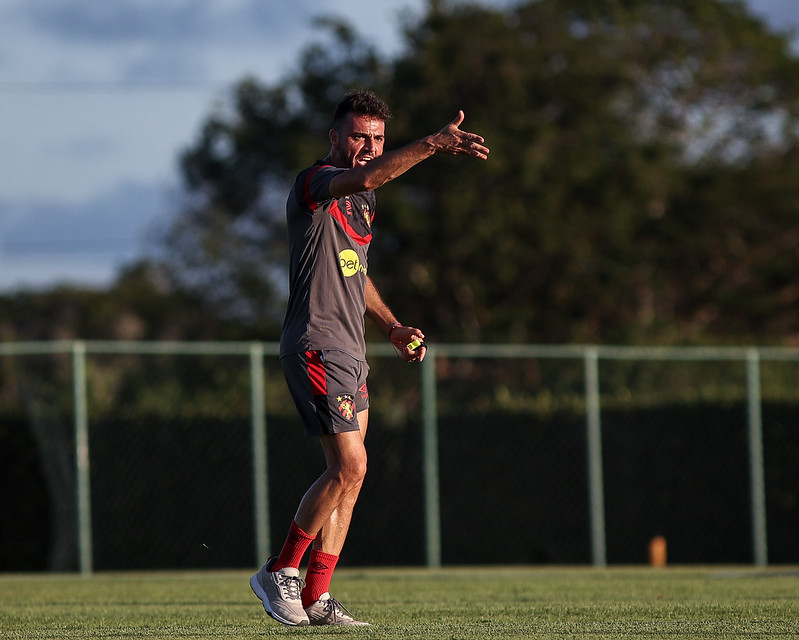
(384, 318)
(375, 173)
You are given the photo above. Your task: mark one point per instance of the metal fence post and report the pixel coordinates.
(594, 444)
(430, 456)
(260, 476)
(757, 482)
(82, 470)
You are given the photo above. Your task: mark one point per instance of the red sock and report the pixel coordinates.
(297, 542)
(320, 571)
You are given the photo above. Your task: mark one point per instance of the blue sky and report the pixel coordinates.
(97, 98)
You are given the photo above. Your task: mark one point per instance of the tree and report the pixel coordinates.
(144, 304)
(640, 185)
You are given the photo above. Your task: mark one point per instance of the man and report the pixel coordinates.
(330, 210)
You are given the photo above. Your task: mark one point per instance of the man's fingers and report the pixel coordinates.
(457, 142)
(480, 151)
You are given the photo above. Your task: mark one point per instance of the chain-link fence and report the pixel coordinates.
(117, 455)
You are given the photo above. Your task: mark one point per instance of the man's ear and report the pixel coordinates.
(333, 137)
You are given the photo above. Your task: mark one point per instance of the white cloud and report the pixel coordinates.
(174, 22)
(70, 146)
(49, 241)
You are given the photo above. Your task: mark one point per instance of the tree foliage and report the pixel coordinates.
(145, 303)
(641, 185)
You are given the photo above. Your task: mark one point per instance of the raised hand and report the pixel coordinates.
(453, 141)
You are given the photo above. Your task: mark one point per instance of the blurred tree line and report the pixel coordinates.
(642, 185)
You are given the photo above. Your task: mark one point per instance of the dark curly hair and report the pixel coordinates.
(361, 103)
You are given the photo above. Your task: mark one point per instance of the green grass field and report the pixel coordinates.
(449, 604)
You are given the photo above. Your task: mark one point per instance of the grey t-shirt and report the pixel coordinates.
(328, 243)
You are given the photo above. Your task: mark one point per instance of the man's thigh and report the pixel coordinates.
(328, 388)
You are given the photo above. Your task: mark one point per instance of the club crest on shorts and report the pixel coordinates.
(346, 406)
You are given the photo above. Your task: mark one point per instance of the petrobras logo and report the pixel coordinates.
(350, 263)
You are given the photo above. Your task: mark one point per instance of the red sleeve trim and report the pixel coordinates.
(335, 210)
(343, 220)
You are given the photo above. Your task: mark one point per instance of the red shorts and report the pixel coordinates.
(328, 389)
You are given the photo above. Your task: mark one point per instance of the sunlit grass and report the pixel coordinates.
(431, 605)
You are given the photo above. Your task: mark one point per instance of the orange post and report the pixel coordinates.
(657, 552)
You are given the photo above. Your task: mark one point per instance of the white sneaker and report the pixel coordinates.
(279, 592)
(328, 610)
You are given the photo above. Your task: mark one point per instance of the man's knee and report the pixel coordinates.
(351, 472)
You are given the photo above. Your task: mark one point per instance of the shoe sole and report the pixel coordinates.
(258, 590)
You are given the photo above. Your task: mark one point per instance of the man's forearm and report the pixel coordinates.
(377, 172)
(392, 164)
(377, 310)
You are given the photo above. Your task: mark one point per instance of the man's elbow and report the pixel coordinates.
(370, 183)
(366, 178)
(355, 181)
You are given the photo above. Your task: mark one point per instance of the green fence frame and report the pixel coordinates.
(591, 355)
